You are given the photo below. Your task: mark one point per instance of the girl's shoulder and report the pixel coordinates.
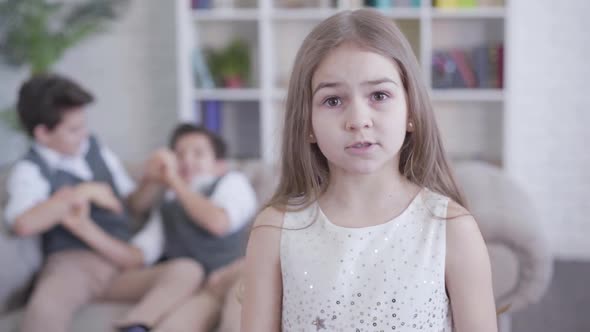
(435, 202)
(300, 215)
(431, 195)
(269, 217)
(265, 233)
(443, 206)
(292, 216)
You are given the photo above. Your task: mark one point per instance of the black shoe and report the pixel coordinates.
(134, 328)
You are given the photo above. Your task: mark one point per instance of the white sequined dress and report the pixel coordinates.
(388, 277)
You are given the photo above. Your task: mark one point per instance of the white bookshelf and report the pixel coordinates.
(228, 94)
(276, 34)
(226, 14)
(468, 95)
(470, 13)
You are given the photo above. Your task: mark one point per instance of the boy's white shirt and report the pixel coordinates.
(233, 193)
(27, 187)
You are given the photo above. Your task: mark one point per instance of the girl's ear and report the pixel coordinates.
(312, 138)
(410, 126)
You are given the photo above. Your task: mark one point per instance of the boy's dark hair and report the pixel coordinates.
(44, 99)
(219, 146)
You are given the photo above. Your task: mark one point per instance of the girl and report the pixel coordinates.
(366, 231)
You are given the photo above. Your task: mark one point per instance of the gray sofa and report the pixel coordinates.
(521, 264)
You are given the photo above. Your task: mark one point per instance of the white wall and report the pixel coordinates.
(548, 116)
(131, 70)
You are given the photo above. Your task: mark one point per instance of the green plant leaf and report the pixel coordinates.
(231, 61)
(10, 119)
(37, 34)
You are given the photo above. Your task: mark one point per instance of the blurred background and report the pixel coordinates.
(508, 79)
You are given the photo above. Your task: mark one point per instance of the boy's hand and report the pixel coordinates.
(153, 167)
(65, 197)
(78, 217)
(162, 167)
(100, 194)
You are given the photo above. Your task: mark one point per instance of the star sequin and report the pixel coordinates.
(319, 324)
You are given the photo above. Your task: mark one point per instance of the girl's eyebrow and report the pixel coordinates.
(323, 85)
(378, 81)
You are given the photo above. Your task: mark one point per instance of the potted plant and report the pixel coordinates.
(36, 33)
(230, 66)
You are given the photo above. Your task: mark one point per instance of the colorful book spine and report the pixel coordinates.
(203, 77)
(356, 4)
(201, 4)
(400, 3)
(464, 68)
(490, 3)
(494, 66)
(446, 3)
(500, 66)
(481, 66)
(383, 4)
(444, 72)
(212, 115)
(466, 3)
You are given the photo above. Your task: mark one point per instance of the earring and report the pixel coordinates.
(410, 125)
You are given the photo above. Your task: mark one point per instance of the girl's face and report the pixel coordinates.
(359, 110)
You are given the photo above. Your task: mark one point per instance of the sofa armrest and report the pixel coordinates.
(20, 258)
(507, 219)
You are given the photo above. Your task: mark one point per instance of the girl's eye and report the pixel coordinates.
(379, 96)
(333, 102)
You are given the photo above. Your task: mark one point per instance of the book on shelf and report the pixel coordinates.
(211, 115)
(491, 3)
(480, 67)
(444, 72)
(480, 60)
(202, 75)
(305, 3)
(387, 4)
(446, 3)
(467, 3)
(201, 4)
(351, 4)
(208, 4)
(464, 68)
(500, 68)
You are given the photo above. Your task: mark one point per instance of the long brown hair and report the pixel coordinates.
(304, 169)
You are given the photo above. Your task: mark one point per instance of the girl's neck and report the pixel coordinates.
(368, 190)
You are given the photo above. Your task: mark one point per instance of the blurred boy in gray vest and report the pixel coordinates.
(205, 215)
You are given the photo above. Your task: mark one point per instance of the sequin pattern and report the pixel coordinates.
(388, 277)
